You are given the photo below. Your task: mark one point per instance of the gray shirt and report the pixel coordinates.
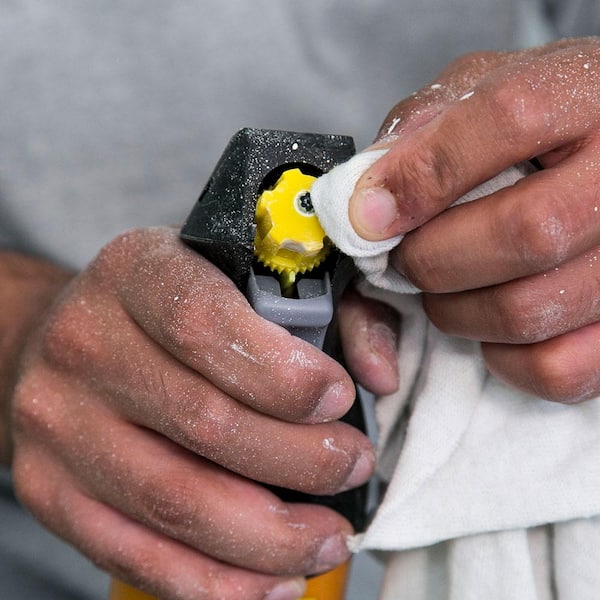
(114, 113)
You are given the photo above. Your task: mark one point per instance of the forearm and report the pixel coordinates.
(27, 286)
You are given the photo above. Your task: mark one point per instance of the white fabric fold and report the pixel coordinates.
(473, 465)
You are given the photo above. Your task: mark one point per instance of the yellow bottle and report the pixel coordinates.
(329, 586)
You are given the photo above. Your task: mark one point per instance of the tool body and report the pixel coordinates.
(254, 220)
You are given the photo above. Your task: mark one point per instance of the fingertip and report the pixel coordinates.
(361, 471)
(334, 402)
(382, 379)
(377, 371)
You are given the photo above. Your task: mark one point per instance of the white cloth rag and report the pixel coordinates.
(493, 493)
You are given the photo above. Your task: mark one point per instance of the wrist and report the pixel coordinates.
(27, 288)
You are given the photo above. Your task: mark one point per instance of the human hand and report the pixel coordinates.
(150, 402)
(518, 269)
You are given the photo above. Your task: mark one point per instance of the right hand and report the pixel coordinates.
(149, 403)
(516, 270)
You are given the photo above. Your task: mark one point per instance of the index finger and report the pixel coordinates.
(519, 111)
(198, 316)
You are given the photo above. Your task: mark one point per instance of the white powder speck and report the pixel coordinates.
(393, 126)
(435, 86)
(561, 292)
(467, 95)
(295, 146)
(354, 542)
(240, 350)
(328, 444)
(299, 357)
(280, 510)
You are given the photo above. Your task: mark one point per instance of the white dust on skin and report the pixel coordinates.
(560, 238)
(185, 286)
(565, 83)
(151, 299)
(192, 305)
(392, 127)
(549, 314)
(556, 312)
(283, 359)
(329, 444)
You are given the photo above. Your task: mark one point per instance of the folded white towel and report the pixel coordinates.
(472, 464)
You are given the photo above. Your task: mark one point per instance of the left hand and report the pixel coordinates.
(517, 270)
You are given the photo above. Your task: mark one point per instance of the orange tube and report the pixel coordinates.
(122, 591)
(329, 586)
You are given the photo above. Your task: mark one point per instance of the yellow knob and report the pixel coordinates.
(289, 238)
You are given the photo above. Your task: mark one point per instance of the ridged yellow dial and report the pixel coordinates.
(289, 238)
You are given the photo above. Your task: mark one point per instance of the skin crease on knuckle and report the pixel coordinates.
(425, 181)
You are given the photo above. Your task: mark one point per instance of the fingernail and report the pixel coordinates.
(374, 211)
(288, 590)
(362, 471)
(383, 346)
(333, 552)
(333, 403)
(382, 341)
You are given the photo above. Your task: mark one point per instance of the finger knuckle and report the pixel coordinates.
(427, 176)
(414, 260)
(170, 507)
(333, 459)
(555, 377)
(516, 115)
(112, 259)
(521, 315)
(542, 234)
(181, 327)
(69, 339)
(288, 550)
(37, 411)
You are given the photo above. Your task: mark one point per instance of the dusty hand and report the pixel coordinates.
(518, 269)
(148, 403)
